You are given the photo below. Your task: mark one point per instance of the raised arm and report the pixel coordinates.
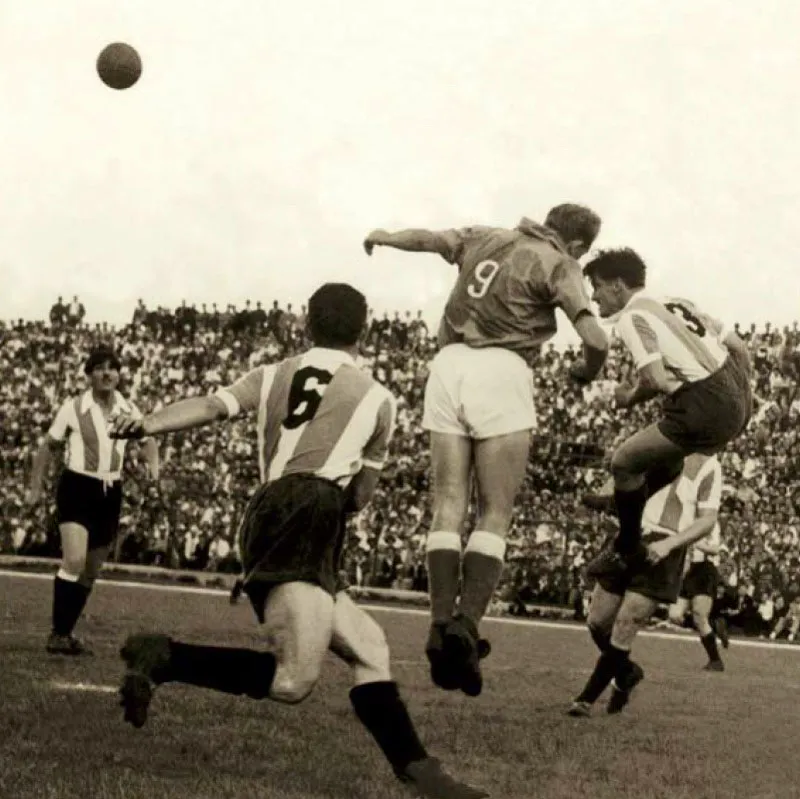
(444, 242)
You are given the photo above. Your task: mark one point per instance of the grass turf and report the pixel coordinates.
(687, 733)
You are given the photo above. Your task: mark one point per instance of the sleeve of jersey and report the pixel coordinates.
(709, 492)
(639, 337)
(58, 430)
(377, 449)
(456, 238)
(569, 290)
(244, 395)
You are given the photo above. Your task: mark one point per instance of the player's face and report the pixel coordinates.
(606, 295)
(105, 377)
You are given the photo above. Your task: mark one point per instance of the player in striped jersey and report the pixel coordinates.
(324, 427)
(684, 355)
(698, 592)
(89, 494)
(479, 403)
(675, 517)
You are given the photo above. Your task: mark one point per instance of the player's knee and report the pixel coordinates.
(73, 565)
(701, 623)
(601, 635)
(622, 469)
(374, 663)
(291, 687)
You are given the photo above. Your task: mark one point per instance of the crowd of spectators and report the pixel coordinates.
(188, 519)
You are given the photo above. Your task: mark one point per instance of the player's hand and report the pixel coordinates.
(127, 427)
(377, 237)
(623, 394)
(658, 550)
(580, 373)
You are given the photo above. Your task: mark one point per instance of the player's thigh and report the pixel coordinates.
(603, 608)
(678, 609)
(74, 546)
(633, 614)
(298, 623)
(451, 467)
(500, 465)
(642, 451)
(359, 641)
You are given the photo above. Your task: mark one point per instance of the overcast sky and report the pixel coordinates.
(265, 139)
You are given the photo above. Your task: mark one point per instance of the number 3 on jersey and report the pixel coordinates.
(482, 278)
(305, 395)
(689, 319)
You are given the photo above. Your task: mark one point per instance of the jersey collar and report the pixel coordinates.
(334, 357)
(120, 404)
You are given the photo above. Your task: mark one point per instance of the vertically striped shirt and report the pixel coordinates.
(689, 342)
(89, 449)
(676, 507)
(318, 413)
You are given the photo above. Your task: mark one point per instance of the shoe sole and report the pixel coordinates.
(135, 695)
(459, 649)
(441, 671)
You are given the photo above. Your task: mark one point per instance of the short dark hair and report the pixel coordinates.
(100, 355)
(337, 314)
(574, 222)
(623, 263)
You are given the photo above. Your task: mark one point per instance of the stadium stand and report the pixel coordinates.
(189, 521)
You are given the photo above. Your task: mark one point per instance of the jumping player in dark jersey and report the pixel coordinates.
(479, 403)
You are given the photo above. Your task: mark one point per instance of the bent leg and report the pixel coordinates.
(359, 640)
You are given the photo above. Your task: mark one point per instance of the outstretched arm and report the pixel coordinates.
(182, 415)
(414, 240)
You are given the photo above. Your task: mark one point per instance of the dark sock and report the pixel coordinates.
(382, 711)
(709, 643)
(232, 671)
(444, 575)
(610, 665)
(69, 600)
(630, 507)
(601, 638)
(662, 476)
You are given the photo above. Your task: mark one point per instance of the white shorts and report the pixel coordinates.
(478, 393)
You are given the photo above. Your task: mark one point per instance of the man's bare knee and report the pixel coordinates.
(291, 687)
(701, 623)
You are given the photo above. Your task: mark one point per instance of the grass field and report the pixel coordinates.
(686, 734)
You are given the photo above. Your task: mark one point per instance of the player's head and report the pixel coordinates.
(576, 225)
(337, 315)
(103, 367)
(615, 275)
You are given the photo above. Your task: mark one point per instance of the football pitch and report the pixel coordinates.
(687, 733)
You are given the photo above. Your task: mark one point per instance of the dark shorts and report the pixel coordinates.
(91, 503)
(293, 530)
(704, 416)
(702, 579)
(660, 582)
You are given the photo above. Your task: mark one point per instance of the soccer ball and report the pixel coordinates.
(119, 66)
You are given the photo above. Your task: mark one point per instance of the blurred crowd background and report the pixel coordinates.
(188, 519)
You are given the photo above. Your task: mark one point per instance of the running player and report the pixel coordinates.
(674, 518)
(324, 428)
(701, 369)
(89, 493)
(479, 404)
(698, 592)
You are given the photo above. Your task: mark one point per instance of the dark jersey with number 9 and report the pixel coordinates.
(509, 285)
